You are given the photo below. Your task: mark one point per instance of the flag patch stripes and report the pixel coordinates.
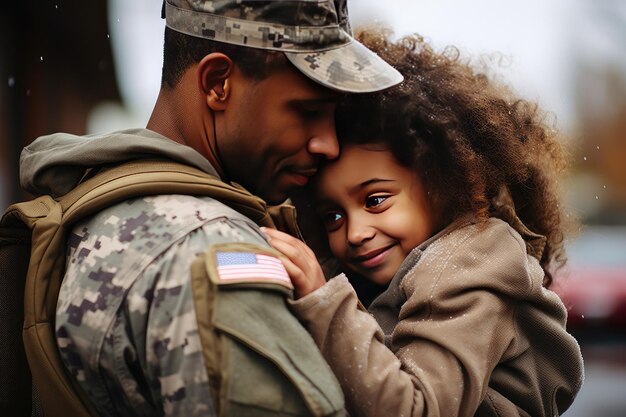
(247, 266)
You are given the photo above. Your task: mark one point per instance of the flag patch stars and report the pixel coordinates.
(250, 267)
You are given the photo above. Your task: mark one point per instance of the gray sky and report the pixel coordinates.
(530, 36)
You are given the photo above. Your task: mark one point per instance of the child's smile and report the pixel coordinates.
(374, 258)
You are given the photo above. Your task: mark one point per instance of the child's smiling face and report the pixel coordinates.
(375, 210)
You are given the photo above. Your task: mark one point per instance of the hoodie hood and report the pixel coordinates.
(55, 164)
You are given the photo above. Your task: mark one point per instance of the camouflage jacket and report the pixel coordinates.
(126, 321)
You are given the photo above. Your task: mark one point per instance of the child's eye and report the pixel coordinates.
(332, 220)
(375, 200)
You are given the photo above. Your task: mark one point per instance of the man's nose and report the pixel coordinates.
(325, 143)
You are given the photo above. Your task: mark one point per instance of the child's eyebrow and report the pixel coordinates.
(324, 203)
(367, 183)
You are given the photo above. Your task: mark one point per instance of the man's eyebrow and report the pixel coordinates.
(331, 99)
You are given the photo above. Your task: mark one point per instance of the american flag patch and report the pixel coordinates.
(247, 266)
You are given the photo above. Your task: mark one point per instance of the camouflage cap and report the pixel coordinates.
(315, 36)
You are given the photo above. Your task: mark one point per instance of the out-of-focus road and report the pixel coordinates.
(604, 391)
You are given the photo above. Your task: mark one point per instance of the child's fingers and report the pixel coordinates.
(278, 235)
(300, 262)
(273, 232)
(290, 251)
(300, 247)
(298, 277)
(292, 248)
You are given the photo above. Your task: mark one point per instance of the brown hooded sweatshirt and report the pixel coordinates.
(465, 328)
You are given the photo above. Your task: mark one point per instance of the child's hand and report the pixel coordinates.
(301, 264)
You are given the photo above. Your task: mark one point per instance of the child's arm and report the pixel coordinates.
(375, 382)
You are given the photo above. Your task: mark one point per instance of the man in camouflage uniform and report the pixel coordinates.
(148, 319)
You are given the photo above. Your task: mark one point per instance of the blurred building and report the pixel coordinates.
(55, 66)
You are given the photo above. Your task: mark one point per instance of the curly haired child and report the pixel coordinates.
(445, 196)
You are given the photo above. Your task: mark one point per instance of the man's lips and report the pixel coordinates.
(374, 257)
(301, 176)
(307, 172)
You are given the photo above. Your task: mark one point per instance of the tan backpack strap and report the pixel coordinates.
(284, 218)
(153, 177)
(58, 393)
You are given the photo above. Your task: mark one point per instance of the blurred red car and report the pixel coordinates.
(593, 284)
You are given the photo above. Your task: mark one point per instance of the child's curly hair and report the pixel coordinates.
(467, 137)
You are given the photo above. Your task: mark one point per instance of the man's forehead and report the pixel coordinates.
(288, 81)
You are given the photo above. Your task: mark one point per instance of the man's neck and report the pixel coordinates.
(175, 117)
(164, 119)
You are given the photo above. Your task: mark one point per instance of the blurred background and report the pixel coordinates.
(91, 67)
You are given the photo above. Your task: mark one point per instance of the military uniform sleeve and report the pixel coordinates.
(454, 328)
(155, 336)
(250, 330)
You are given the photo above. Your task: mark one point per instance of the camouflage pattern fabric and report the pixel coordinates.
(352, 69)
(288, 26)
(314, 35)
(126, 325)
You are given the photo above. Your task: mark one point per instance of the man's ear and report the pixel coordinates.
(213, 72)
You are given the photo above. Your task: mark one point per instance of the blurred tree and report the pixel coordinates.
(603, 148)
(601, 101)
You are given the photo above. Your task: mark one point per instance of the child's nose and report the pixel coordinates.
(359, 232)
